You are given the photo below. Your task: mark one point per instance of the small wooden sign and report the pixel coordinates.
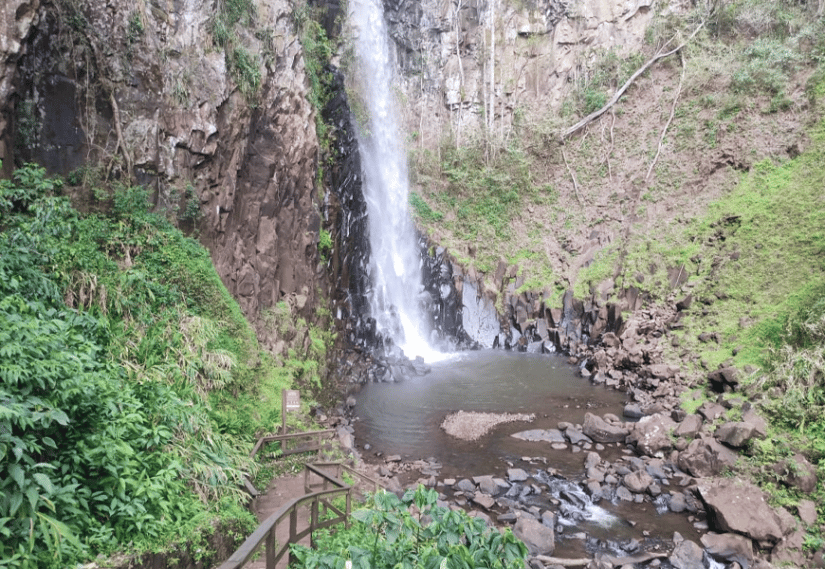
(290, 402)
(293, 399)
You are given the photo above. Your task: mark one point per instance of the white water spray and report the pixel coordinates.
(395, 262)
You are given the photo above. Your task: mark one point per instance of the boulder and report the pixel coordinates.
(736, 434)
(760, 426)
(576, 436)
(466, 485)
(592, 459)
(652, 434)
(345, 439)
(633, 411)
(601, 431)
(662, 371)
(685, 303)
(677, 503)
(790, 551)
(689, 427)
(797, 472)
(710, 410)
(724, 379)
(539, 539)
(624, 494)
(687, 555)
(638, 482)
(740, 507)
(729, 548)
(484, 500)
(705, 457)
(486, 484)
(807, 512)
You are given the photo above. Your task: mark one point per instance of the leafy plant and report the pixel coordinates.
(246, 70)
(115, 332)
(324, 244)
(413, 532)
(318, 50)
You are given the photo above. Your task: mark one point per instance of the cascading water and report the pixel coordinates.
(395, 262)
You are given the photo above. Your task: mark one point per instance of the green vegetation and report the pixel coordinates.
(324, 244)
(754, 259)
(602, 267)
(131, 383)
(318, 49)
(480, 200)
(422, 209)
(392, 533)
(244, 66)
(246, 71)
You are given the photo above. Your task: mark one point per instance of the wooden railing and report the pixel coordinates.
(307, 442)
(320, 494)
(361, 482)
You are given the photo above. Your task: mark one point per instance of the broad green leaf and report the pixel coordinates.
(44, 482)
(17, 474)
(15, 501)
(33, 496)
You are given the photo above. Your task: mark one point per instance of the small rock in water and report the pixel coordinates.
(516, 475)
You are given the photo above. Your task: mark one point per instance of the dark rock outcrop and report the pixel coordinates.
(157, 104)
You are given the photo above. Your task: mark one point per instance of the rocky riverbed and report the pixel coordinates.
(656, 462)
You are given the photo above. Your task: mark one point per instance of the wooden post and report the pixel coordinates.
(349, 508)
(313, 523)
(293, 531)
(270, 549)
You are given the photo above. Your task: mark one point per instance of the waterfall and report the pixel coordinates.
(395, 264)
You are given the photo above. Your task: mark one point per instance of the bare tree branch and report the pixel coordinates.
(614, 99)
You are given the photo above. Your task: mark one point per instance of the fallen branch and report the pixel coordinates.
(573, 176)
(670, 118)
(618, 95)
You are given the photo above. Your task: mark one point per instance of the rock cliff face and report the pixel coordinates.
(16, 22)
(224, 136)
(451, 86)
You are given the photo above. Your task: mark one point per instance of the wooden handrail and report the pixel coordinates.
(266, 531)
(340, 466)
(284, 438)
